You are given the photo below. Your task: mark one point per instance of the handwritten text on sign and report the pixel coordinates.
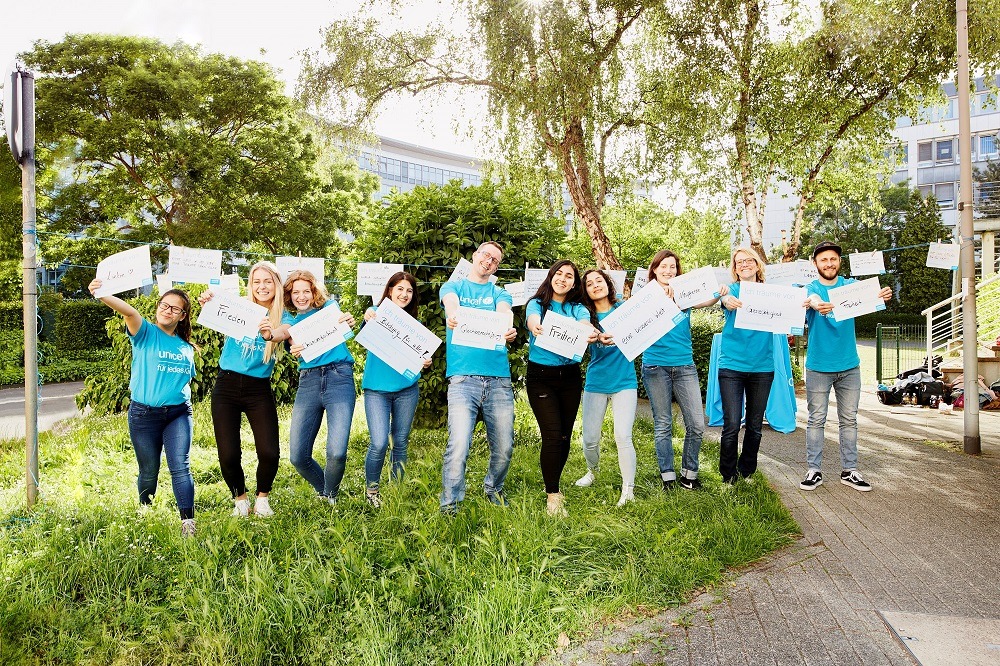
(123, 271)
(372, 278)
(320, 332)
(695, 287)
(516, 291)
(233, 316)
(641, 279)
(867, 263)
(943, 255)
(482, 329)
(856, 299)
(188, 264)
(772, 308)
(564, 336)
(401, 341)
(642, 320)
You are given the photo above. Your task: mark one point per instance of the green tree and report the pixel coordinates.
(920, 286)
(560, 78)
(183, 147)
(430, 229)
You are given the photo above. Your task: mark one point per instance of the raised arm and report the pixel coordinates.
(133, 320)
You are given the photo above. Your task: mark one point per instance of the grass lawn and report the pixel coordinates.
(86, 578)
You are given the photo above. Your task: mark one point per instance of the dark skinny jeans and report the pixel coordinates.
(236, 394)
(554, 395)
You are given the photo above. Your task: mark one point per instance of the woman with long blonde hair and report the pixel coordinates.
(244, 387)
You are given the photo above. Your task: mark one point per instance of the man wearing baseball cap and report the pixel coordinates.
(832, 362)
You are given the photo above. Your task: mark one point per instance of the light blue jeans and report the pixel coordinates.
(595, 406)
(388, 411)
(663, 383)
(330, 389)
(847, 385)
(469, 397)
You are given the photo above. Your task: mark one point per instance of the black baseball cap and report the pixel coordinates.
(827, 245)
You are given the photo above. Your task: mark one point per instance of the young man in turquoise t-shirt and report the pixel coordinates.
(478, 384)
(832, 362)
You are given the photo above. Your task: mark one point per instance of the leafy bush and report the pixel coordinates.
(864, 326)
(11, 317)
(80, 325)
(109, 392)
(429, 229)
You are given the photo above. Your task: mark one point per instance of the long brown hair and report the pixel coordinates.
(183, 329)
(658, 259)
(411, 307)
(318, 289)
(588, 302)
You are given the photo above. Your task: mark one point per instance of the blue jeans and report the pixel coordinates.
(847, 385)
(663, 383)
(328, 388)
(385, 411)
(595, 406)
(469, 397)
(733, 386)
(158, 430)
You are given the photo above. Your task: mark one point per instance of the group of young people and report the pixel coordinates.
(163, 365)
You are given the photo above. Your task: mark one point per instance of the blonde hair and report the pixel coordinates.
(320, 295)
(275, 309)
(761, 264)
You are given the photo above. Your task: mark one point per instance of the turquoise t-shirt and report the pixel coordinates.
(673, 349)
(464, 360)
(246, 357)
(380, 376)
(743, 350)
(608, 370)
(833, 346)
(162, 367)
(338, 354)
(543, 356)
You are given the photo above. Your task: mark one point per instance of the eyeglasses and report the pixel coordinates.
(172, 309)
(489, 258)
(745, 262)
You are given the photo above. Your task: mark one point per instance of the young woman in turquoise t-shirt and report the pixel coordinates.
(159, 413)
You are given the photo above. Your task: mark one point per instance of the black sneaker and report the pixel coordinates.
(668, 485)
(496, 498)
(374, 500)
(449, 510)
(854, 479)
(689, 484)
(813, 480)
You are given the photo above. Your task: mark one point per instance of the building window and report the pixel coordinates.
(945, 194)
(925, 154)
(945, 152)
(926, 190)
(987, 145)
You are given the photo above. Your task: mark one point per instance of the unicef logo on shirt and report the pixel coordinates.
(488, 300)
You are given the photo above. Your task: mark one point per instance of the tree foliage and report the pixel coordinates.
(180, 146)
(920, 286)
(430, 229)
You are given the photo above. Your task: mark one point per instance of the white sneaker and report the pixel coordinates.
(262, 507)
(627, 496)
(554, 506)
(242, 508)
(587, 479)
(187, 528)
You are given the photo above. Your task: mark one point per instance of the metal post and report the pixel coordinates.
(30, 288)
(970, 340)
(878, 353)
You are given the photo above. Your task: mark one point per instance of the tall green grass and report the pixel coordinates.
(86, 578)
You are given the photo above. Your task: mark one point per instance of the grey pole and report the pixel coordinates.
(970, 341)
(30, 289)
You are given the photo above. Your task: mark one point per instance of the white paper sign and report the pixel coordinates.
(791, 273)
(229, 284)
(641, 279)
(516, 291)
(315, 265)
(943, 255)
(164, 283)
(372, 278)
(319, 333)
(188, 264)
(642, 320)
(722, 275)
(533, 279)
(564, 335)
(482, 329)
(233, 316)
(618, 277)
(123, 271)
(867, 263)
(462, 271)
(856, 299)
(401, 341)
(772, 308)
(695, 287)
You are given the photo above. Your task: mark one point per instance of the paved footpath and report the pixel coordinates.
(925, 540)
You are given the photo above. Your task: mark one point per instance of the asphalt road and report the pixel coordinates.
(57, 403)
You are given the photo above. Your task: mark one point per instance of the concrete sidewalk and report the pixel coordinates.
(925, 541)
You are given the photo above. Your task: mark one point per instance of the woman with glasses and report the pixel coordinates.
(746, 370)
(244, 387)
(159, 414)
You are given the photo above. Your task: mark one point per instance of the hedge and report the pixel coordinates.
(80, 325)
(864, 326)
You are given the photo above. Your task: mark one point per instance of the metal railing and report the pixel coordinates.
(898, 348)
(944, 319)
